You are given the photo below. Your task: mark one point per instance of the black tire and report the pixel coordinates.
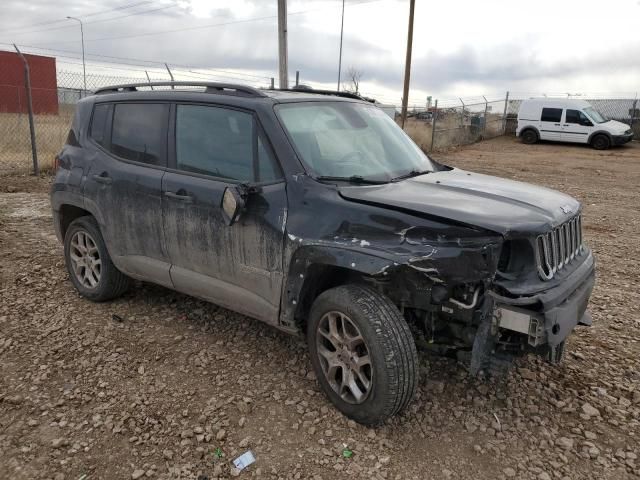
(389, 345)
(600, 142)
(529, 137)
(111, 282)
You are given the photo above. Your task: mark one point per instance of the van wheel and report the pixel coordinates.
(529, 137)
(90, 268)
(363, 353)
(600, 142)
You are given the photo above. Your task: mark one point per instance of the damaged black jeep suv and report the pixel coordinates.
(314, 212)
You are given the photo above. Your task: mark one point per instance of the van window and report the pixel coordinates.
(139, 132)
(576, 116)
(98, 130)
(551, 115)
(220, 142)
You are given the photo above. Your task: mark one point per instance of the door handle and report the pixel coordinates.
(103, 178)
(557, 124)
(179, 196)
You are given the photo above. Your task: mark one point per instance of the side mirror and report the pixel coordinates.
(232, 204)
(586, 123)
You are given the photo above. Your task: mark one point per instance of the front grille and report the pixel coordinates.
(557, 248)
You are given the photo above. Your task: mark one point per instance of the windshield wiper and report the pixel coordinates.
(412, 173)
(357, 179)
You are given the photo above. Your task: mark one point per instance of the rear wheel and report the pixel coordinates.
(529, 137)
(90, 268)
(600, 142)
(363, 353)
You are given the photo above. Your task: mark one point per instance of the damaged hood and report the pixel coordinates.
(496, 204)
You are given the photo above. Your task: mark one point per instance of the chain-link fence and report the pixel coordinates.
(436, 126)
(451, 123)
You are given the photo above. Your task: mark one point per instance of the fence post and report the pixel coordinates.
(484, 121)
(504, 114)
(148, 79)
(297, 77)
(433, 124)
(462, 115)
(32, 128)
(170, 74)
(272, 83)
(633, 112)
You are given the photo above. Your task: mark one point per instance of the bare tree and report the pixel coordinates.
(354, 75)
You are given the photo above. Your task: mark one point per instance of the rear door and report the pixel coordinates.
(128, 145)
(550, 124)
(576, 127)
(237, 266)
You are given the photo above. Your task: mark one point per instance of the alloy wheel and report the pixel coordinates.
(344, 357)
(85, 259)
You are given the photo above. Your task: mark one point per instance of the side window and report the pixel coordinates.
(139, 132)
(573, 116)
(99, 123)
(220, 142)
(551, 115)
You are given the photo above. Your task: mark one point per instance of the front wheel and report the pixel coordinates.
(600, 142)
(363, 353)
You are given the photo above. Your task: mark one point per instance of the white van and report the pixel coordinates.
(569, 120)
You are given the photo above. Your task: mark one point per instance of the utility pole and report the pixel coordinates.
(283, 53)
(407, 65)
(84, 67)
(340, 56)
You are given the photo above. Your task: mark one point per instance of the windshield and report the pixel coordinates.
(351, 140)
(595, 115)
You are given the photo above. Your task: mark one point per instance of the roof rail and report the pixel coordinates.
(210, 87)
(335, 93)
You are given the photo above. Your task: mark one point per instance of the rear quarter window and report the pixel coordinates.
(98, 130)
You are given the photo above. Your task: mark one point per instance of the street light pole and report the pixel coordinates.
(84, 67)
(340, 57)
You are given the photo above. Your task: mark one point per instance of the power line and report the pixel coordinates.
(214, 25)
(142, 12)
(138, 61)
(49, 22)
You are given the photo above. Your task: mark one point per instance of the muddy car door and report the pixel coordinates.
(128, 143)
(236, 265)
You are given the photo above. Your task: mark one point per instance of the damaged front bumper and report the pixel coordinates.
(547, 318)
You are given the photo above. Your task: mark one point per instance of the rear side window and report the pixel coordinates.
(98, 130)
(139, 132)
(551, 115)
(221, 142)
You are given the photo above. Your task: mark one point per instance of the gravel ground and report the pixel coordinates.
(159, 385)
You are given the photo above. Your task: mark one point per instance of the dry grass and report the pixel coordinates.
(15, 143)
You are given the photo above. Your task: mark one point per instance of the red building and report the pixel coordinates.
(44, 87)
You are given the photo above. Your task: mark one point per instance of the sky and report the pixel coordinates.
(461, 48)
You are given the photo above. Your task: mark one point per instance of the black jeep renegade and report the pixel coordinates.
(314, 212)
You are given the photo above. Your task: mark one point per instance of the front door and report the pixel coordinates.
(238, 266)
(550, 124)
(128, 145)
(576, 127)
